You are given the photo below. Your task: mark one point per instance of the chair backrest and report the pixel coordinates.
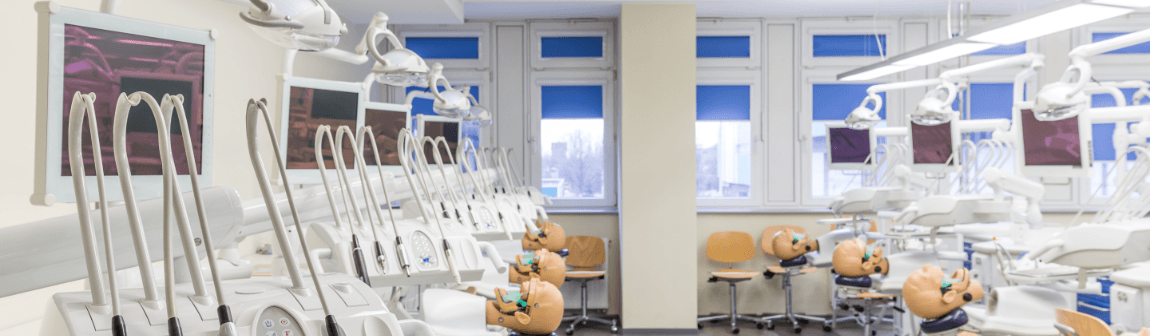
(1084, 325)
(586, 251)
(769, 235)
(730, 246)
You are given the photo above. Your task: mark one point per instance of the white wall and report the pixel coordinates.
(246, 67)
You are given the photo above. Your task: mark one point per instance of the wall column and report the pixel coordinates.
(657, 169)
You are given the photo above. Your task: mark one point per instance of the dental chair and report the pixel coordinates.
(586, 256)
(731, 247)
(854, 263)
(789, 244)
(938, 299)
(535, 309)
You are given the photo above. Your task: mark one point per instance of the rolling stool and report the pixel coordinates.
(784, 241)
(858, 288)
(854, 262)
(586, 254)
(730, 247)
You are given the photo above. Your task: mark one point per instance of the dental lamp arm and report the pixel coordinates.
(1019, 186)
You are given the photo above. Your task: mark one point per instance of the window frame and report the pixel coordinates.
(758, 161)
(722, 27)
(571, 28)
(605, 78)
(1085, 35)
(810, 28)
(480, 30)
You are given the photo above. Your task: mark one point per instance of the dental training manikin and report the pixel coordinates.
(535, 309)
(938, 299)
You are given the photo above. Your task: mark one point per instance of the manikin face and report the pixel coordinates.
(788, 244)
(854, 258)
(543, 264)
(930, 294)
(540, 313)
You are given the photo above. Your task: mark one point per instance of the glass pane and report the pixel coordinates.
(1011, 49)
(723, 102)
(572, 102)
(572, 158)
(444, 47)
(572, 46)
(848, 45)
(723, 159)
(836, 101)
(1141, 48)
(723, 46)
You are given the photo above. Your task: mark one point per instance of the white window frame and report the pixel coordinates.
(481, 30)
(722, 27)
(606, 79)
(758, 180)
(811, 77)
(1084, 36)
(571, 28)
(810, 28)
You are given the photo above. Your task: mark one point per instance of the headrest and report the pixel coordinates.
(930, 294)
(953, 320)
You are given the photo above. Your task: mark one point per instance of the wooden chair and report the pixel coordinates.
(786, 271)
(730, 247)
(1071, 323)
(586, 255)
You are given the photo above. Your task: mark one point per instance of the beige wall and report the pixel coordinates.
(657, 201)
(246, 67)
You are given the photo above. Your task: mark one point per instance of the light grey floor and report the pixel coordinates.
(746, 329)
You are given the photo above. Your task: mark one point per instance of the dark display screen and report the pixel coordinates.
(309, 108)
(932, 144)
(849, 145)
(448, 130)
(1051, 143)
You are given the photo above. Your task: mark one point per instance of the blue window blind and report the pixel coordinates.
(1011, 49)
(424, 106)
(572, 102)
(723, 102)
(1141, 48)
(989, 101)
(836, 101)
(444, 47)
(572, 46)
(1104, 133)
(723, 46)
(848, 45)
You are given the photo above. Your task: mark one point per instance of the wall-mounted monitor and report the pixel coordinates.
(386, 120)
(850, 149)
(305, 104)
(90, 52)
(1061, 148)
(933, 147)
(437, 126)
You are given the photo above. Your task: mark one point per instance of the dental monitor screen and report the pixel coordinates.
(932, 146)
(308, 109)
(1054, 148)
(385, 126)
(449, 130)
(849, 146)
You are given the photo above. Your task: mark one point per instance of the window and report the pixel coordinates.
(1006, 50)
(1105, 154)
(572, 44)
(831, 104)
(572, 47)
(464, 46)
(723, 47)
(445, 47)
(986, 101)
(574, 154)
(723, 141)
(848, 45)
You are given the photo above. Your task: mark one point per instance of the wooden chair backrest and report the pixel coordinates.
(769, 235)
(1084, 325)
(586, 251)
(730, 246)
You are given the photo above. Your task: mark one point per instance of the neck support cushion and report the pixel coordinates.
(860, 281)
(931, 295)
(950, 321)
(854, 258)
(543, 264)
(788, 244)
(538, 310)
(550, 237)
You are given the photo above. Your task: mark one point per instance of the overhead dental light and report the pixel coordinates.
(935, 108)
(864, 117)
(398, 67)
(307, 25)
(478, 114)
(1066, 98)
(1041, 21)
(450, 102)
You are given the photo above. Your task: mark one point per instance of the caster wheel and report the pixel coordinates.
(735, 331)
(570, 332)
(827, 328)
(770, 326)
(700, 325)
(873, 332)
(759, 325)
(614, 330)
(798, 330)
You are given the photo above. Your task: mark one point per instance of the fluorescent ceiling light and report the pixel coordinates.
(944, 53)
(1125, 3)
(877, 72)
(1052, 22)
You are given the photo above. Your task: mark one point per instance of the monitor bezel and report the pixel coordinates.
(955, 141)
(852, 165)
(312, 176)
(50, 186)
(1086, 142)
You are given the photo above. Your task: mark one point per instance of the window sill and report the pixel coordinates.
(583, 211)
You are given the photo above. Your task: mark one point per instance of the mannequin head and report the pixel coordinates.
(538, 310)
(543, 264)
(550, 237)
(853, 258)
(930, 294)
(788, 244)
